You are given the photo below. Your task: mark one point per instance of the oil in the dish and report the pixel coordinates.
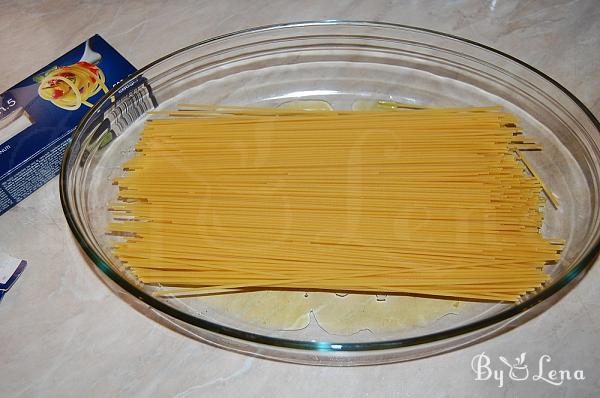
(336, 314)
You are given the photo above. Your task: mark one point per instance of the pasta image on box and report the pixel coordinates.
(39, 114)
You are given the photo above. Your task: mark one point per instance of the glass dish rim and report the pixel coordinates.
(321, 346)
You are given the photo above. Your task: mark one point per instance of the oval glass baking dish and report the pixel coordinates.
(340, 62)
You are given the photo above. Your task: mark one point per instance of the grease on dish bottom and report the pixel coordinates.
(336, 314)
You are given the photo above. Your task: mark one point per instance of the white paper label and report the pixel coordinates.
(8, 266)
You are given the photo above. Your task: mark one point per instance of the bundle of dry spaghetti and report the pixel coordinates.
(424, 201)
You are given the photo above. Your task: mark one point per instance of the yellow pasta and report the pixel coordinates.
(70, 86)
(425, 201)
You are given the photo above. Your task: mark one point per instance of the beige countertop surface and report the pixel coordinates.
(63, 332)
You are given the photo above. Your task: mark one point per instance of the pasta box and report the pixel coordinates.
(39, 115)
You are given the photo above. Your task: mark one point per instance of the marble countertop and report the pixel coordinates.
(64, 333)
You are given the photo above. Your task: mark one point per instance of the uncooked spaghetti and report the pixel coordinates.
(416, 201)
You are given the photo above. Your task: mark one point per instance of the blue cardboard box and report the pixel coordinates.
(38, 115)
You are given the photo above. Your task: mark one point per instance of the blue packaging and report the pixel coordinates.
(10, 270)
(35, 127)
